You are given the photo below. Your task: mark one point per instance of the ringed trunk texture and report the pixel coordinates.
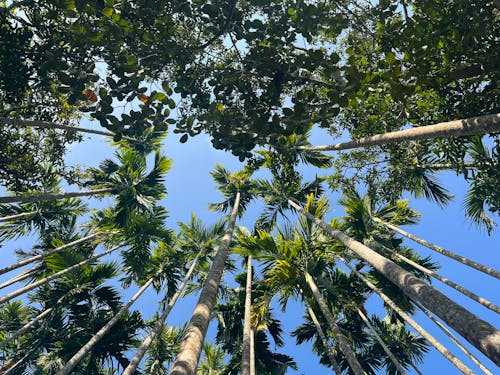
(247, 326)
(452, 337)
(478, 332)
(186, 362)
(381, 342)
(457, 128)
(134, 363)
(54, 276)
(252, 352)
(17, 278)
(53, 196)
(339, 336)
(433, 341)
(483, 301)
(324, 340)
(47, 253)
(51, 125)
(16, 216)
(478, 266)
(70, 365)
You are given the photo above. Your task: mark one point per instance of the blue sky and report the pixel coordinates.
(190, 189)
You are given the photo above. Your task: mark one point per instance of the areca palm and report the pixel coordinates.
(193, 238)
(466, 323)
(236, 188)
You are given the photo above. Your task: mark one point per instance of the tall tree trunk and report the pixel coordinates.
(53, 196)
(84, 350)
(483, 301)
(47, 253)
(452, 337)
(247, 326)
(252, 352)
(54, 276)
(16, 216)
(51, 125)
(457, 128)
(191, 346)
(339, 336)
(20, 277)
(381, 342)
(134, 363)
(478, 332)
(324, 340)
(435, 343)
(478, 266)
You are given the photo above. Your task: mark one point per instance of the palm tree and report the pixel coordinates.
(287, 264)
(434, 342)
(193, 238)
(213, 360)
(247, 328)
(163, 271)
(235, 187)
(478, 266)
(478, 332)
(54, 276)
(457, 128)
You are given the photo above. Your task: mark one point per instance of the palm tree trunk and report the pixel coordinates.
(53, 196)
(247, 326)
(191, 346)
(468, 293)
(324, 340)
(16, 216)
(435, 343)
(252, 352)
(452, 337)
(478, 266)
(134, 363)
(51, 125)
(21, 331)
(54, 276)
(20, 277)
(478, 332)
(11, 369)
(339, 336)
(457, 128)
(47, 253)
(381, 342)
(84, 350)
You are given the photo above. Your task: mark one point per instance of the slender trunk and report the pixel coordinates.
(84, 350)
(52, 196)
(51, 125)
(456, 128)
(478, 332)
(468, 293)
(247, 326)
(339, 336)
(17, 278)
(478, 266)
(21, 331)
(445, 166)
(324, 340)
(416, 369)
(452, 337)
(191, 346)
(16, 216)
(435, 343)
(252, 352)
(54, 276)
(11, 369)
(47, 253)
(134, 363)
(381, 342)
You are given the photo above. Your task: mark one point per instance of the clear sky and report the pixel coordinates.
(190, 189)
